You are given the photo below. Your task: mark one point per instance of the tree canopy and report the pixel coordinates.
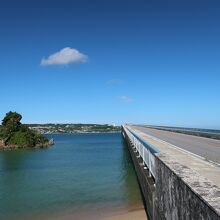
(15, 134)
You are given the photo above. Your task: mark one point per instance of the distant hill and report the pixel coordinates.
(73, 128)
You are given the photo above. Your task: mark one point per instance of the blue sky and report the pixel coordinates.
(126, 61)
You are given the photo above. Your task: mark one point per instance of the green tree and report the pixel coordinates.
(22, 139)
(12, 120)
(16, 134)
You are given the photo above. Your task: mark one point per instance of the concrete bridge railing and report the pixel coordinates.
(171, 190)
(145, 151)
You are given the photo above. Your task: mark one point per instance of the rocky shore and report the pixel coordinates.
(4, 146)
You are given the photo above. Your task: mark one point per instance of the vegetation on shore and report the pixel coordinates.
(73, 128)
(14, 134)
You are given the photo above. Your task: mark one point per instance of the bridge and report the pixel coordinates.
(179, 174)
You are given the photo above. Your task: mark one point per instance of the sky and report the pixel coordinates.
(149, 62)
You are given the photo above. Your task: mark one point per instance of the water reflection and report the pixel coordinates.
(130, 181)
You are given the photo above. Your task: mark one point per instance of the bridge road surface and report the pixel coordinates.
(204, 147)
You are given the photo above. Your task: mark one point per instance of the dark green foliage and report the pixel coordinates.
(40, 139)
(12, 119)
(15, 134)
(3, 133)
(22, 139)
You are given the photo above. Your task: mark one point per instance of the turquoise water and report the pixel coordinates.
(83, 176)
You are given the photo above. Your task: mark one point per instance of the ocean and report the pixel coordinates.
(83, 176)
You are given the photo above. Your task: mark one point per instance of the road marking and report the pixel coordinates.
(180, 149)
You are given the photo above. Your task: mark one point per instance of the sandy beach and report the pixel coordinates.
(139, 214)
(134, 215)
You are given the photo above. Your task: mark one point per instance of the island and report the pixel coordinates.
(15, 135)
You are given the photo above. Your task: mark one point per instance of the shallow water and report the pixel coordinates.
(83, 176)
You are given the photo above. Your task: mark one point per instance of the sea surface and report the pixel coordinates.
(83, 176)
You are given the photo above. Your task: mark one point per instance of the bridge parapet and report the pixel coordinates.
(144, 149)
(175, 192)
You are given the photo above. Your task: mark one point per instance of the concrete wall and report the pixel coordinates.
(183, 194)
(178, 193)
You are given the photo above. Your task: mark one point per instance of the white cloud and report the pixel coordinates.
(125, 98)
(65, 56)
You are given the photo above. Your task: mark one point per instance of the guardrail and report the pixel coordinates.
(145, 150)
(190, 131)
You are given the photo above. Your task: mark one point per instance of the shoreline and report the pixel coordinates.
(134, 214)
(130, 215)
(48, 144)
(86, 132)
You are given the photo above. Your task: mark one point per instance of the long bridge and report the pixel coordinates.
(179, 174)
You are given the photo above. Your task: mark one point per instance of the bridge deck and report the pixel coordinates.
(205, 147)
